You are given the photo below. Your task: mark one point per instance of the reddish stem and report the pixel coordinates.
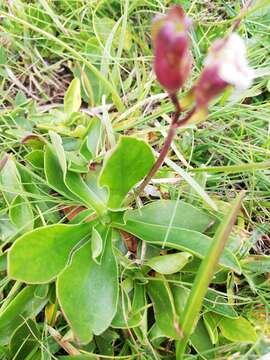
(176, 123)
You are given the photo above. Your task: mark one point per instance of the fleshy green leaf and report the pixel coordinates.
(211, 324)
(238, 330)
(154, 231)
(54, 174)
(91, 143)
(130, 311)
(169, 264)
(127, 164)
(96, 244)
(88, 292)
(88, 196)
(200, 340)
(59, 150)
(72, 98)
(45, 251)
(21, 213)
(165, 313)
(36, 158)
(10, 180)
(67, 182)
(172, 213)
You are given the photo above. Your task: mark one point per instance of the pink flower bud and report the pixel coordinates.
(226, 64)
(173, 60)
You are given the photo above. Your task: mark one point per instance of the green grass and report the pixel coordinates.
(108, 44)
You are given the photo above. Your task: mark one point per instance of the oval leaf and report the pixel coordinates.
(45, 251)
(128, 163)
(164, 308)
(130, 315)
(96, 244)
(177, 238)
(172, 213)
(21, 213)
(169, 264)
(88, 292)
(72, 98)
(238, 330)
(54, 174)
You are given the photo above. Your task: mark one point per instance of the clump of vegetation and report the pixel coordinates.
(133, 222)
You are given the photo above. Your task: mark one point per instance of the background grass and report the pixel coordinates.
(108, 44)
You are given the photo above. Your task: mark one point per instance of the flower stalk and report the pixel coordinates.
(225, 65)
(175, 124)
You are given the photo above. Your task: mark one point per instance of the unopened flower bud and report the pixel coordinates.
(173, 60)
(226, 64)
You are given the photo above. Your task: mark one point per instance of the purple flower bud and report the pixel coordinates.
(173, 60)
(209, 86)
(226, 64)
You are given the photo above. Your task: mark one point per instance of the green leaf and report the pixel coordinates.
(46, 251)
(21, 213)
(59, 150)
(200, 340)
(211, 324)
(36, 158)
(92, 141)
(91, 180)
(172, 213)
(192, 183)
(205, 274)
(214, 301)
(85, 193)
(20, 98)
(10, 180)
(238, 330)
(164, 309)
(218, 304)
(68, 182)
(180, 296)
(54, 174)
(130, 312)
(127, 164)
(72, 98)
(7, 228)
(96, 244)
(106, 342)
(77, 163)
(88, 292)
(256, 264)
(174, 237)
(169, 264)
(25, 340)
(22, 307)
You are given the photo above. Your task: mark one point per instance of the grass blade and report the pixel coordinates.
(205, 274)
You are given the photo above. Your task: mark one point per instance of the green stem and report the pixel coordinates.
(205, 273)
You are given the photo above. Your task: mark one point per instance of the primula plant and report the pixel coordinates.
(113, 268)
